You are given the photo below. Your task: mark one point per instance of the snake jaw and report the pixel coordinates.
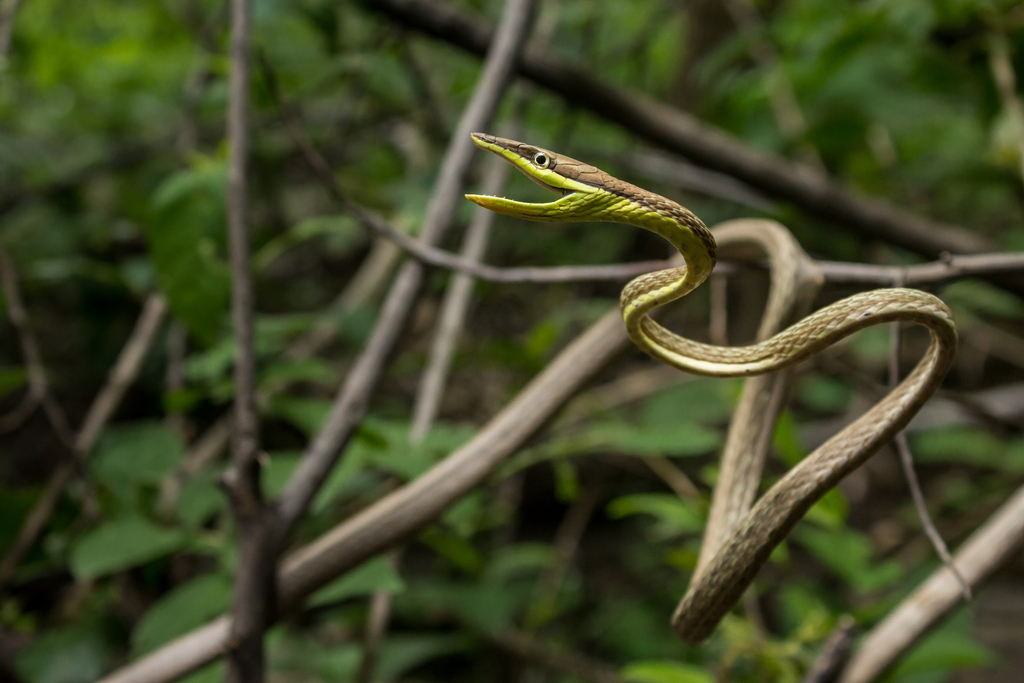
(571, 190)
(542, 211)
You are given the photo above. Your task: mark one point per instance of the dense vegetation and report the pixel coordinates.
(113, 176)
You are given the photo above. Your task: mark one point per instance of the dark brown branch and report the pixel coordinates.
(681, 133)
(253, 601)
(350, 404)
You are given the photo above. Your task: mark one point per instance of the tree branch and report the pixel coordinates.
(681, 133)
(350, 404)
(253, 602)
(124, 372)
(987, 549)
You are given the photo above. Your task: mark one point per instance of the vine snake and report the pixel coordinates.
(589, 194)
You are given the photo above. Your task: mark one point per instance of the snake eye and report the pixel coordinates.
(541, 160)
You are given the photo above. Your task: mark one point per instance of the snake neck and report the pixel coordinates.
(683, 230)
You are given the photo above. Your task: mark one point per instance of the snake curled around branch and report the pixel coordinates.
(589, 194)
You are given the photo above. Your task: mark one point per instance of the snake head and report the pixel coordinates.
(552, 171)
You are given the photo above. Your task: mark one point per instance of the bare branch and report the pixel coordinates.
(38, 386)
(913, 483)
(681, 133)
(453, 310)
(401, 512)
(124, 372)
(253, 601)
(205, 449)
(376, 626)
(986, 550)
(350, 404)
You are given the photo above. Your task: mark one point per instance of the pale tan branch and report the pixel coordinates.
(985, 551)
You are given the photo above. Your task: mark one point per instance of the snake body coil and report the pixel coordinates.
(589, 194)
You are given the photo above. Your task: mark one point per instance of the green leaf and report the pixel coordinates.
(308, 414)
(968, 445)
(377, 575)
(700, 400)
(674, 516)
(665, 672)
(12, 379)
(400, 654)
(121, 544)
(142, 452)
(682, 438)
(848, 554)
(479, 605)
(824, 394)
(184, 238)
(179, 611)
(453, 548)
(983, 297)
(76, 653)
(949, 649)
(200, 499)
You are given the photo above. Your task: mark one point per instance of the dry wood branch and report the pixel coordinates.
(407, 509)
(980, 555)
(253, 599)
(350, 404)
(453, 310)
(913, 483)
(681, 133)
(124, 372)
(668, 168)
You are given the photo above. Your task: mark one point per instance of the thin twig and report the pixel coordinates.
(986, 550)
(350, 404)
(913, 483)
(253, 601)
(38, 386)
(124, 372)
(567, 540)
(376, 626)
(206, 448)
(453, 310)
(682, 133)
